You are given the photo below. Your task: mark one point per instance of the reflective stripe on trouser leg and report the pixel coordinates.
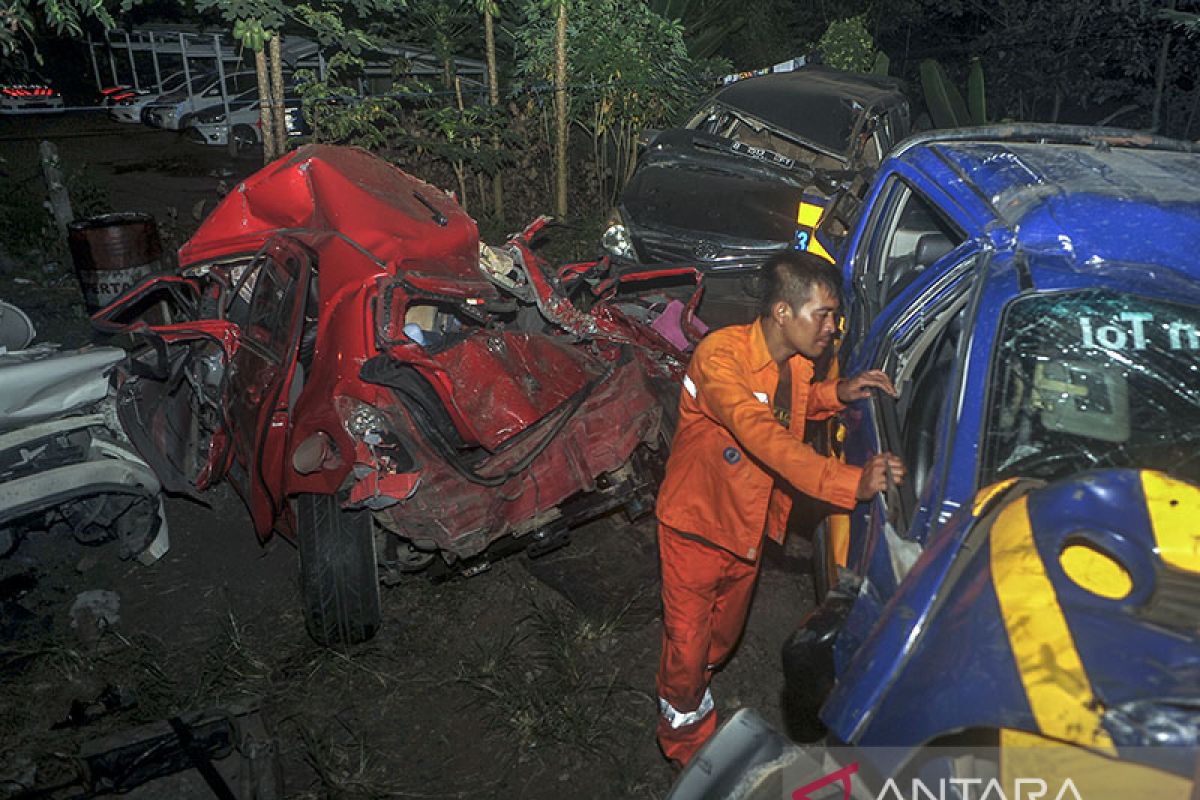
(682, 733)
(677, 719)
(694, 575)
(681, 743)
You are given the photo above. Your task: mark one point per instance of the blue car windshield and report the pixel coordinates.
(1093, 379)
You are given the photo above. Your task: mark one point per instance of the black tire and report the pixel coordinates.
(245, 140)
(339, 582)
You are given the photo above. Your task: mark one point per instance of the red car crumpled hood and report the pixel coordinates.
(345, 190)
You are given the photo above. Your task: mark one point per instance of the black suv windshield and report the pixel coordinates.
(1094, 379)
(729, 124)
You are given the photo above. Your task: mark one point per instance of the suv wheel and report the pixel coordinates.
(339, 580)
(245, 139)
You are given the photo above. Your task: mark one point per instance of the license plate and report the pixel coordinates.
(762, 154)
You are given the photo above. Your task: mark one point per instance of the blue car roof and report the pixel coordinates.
(1086, 201)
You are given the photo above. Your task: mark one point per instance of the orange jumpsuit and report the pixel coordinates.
(725, 488)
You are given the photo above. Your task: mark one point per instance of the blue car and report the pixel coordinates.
(1034, 293)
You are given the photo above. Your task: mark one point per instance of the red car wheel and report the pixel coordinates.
(339, 581)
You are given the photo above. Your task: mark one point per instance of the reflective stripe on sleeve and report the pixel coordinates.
(678, 719)
(689, 385)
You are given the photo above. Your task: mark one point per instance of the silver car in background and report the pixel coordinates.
(173, 111)
(129, 110)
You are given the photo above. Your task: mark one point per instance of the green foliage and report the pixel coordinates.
(447, 26)
(976, 93)
(251, 33)
(28, 234)
(20, 19)
(24, 223)
(254, 21)
(847, 45)
(418, 125)
(707, 24)
(466, 136)
(623, 77)
(339, 115)
(634, 65)
(89, 196)
(945, 103)
(331, 29)
(1059, 60)
(777, 30)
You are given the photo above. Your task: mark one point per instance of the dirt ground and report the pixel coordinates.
(534, 679)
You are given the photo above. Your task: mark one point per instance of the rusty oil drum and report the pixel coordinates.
(111, 253)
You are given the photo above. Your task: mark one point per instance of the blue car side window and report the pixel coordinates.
(921, 235)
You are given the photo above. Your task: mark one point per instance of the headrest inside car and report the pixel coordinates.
(931, 247)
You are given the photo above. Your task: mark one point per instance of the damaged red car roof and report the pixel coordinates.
(348, 192)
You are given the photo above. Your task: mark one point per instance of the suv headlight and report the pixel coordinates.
(616, 240)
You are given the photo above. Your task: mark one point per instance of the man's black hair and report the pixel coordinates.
(791, 275)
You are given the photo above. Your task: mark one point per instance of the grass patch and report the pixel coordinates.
(554, 681)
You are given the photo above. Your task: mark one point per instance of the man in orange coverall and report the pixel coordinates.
(737, 456)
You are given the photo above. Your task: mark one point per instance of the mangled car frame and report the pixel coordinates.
(65, 464)
(380, 388)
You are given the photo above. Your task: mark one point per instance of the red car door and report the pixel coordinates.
(269, 310)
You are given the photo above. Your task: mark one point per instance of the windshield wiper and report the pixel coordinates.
(438, 216)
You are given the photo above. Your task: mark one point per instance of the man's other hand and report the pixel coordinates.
(876, 474)
(859, 387)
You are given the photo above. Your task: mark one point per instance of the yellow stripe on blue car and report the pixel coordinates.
(1174, 508)
(1051, 670)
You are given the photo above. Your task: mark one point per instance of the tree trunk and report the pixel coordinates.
(489, 40)
(278, 113)
(58, 198)
(1160, 74)
(597, 136)
(631, 145)
(560, 111)
(1187, 132)
(460, 169)
(265, 120)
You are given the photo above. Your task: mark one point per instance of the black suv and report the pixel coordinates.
(724, 191)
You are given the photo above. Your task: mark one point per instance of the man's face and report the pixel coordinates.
(810, 329)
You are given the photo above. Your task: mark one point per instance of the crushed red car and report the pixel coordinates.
(384, 390)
